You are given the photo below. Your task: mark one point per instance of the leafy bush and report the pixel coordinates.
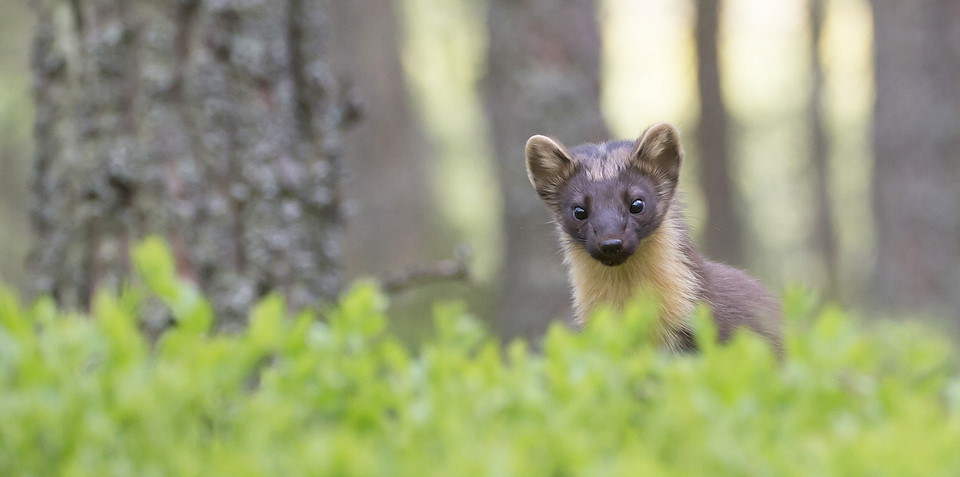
(296, 396)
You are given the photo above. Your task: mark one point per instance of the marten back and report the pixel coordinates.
(736, 299)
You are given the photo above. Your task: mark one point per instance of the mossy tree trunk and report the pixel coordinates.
(543, 78)
(916, 141)
(212, 123)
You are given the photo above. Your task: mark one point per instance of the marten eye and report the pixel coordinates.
(579, 213)
(636, 207)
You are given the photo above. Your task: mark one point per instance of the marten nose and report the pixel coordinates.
(611, 246)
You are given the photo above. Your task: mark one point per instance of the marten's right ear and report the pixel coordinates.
(548, 166)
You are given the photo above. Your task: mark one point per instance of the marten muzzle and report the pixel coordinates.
(609, 239)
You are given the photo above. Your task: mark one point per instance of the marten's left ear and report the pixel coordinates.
(658, 152)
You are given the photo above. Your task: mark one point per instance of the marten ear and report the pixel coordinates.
(658, 152)
(549, 166)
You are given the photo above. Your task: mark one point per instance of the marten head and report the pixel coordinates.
(608, 197)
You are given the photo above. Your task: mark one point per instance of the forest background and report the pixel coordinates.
(822, 140)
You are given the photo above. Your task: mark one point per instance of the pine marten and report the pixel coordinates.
(623, 235)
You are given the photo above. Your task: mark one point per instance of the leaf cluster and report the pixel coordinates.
(298, 395)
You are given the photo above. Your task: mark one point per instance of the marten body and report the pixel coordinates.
(623, 236)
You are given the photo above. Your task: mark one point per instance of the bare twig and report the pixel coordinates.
(456, 268)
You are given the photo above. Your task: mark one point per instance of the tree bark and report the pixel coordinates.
(389, 182)
(916, 143)
(543, 78)
(824, 235)
(723, 226)
(213, 124)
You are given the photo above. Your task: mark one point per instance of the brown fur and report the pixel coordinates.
(663, 264)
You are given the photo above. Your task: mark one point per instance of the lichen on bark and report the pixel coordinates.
(212, 123)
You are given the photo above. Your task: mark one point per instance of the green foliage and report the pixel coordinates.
(88, 395)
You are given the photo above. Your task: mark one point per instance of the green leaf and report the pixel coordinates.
(155, 265)
(267, 328)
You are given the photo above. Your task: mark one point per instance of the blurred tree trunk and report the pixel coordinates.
(389, 182)
(916, 143)
(543, 78)
(824, 235)
(213, 124)
(17, 24)
(723, 226)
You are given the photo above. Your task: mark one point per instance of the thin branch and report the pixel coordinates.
(453, 269)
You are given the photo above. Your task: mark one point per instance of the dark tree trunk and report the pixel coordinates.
(543, 78)
(917, 149)
(389, 182)
(213, 124)
(824, 235)
(723, 227)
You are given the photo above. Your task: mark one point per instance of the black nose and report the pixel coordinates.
(611, 246)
